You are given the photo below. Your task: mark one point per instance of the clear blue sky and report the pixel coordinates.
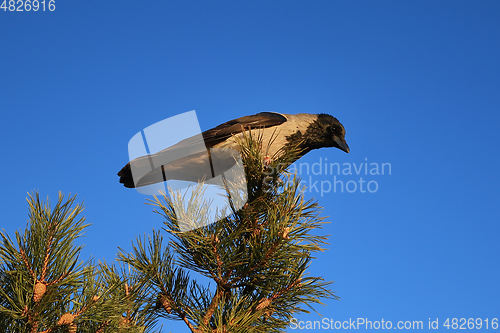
(416, 84)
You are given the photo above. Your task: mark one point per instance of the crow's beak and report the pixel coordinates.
(341, 144)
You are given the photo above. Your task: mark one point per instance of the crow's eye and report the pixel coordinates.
(333, 129)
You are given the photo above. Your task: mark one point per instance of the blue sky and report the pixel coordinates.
(415, 83)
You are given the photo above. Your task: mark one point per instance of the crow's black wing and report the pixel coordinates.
(224, 131)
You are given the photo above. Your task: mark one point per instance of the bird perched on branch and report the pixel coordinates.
(275, 130)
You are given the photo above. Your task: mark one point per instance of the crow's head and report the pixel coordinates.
(326, 131)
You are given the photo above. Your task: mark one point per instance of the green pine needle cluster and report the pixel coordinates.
(45, 287)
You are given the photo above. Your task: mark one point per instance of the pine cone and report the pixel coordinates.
(215, 239)
(165, 303)
(285, 233)
(66, 319)
(264, 303)
(40, 289)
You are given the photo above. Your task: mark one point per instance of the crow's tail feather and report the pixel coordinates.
(126, 176)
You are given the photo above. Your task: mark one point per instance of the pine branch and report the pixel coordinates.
(44, 286)
(257, 255)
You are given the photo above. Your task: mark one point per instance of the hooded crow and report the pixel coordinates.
(276, 130)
